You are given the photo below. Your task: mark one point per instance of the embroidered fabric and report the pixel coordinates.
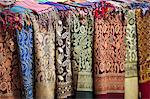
(63, 63)
(143, 31)
(44, 43)
(10, 85)
(81, 47)
(143, 37)
(109, 54)
(84, 89)
(131, 77)
(131, 45)
(63, 56)
(25, 46)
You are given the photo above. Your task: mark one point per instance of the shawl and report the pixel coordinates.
(131, 77)
(10, 83)
(7, 2)
(109, 56)
(81, 41)
(25, 46)
(143, 31)
(31, 4)
(64, 87)
(44, 46)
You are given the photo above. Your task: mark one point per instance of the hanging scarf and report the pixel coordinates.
(131, 74)
(10, 83)
(25, 45)
(109, 55)
(44, 43)
(63, 56)
(143, 31)
(81, 39)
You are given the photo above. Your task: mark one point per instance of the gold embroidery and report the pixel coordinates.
(143, 30)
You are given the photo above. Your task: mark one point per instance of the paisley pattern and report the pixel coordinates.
(44, 43)
(109, 54)
(81, 41)
(143, 31)
(51, 54)
(63, 54)
(143, 47)
(131, 80)
(10, 85)
(131, 42)
(25, 43)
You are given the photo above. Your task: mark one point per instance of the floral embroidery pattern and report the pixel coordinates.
(82, 30)
(10, 85)
(143, 30)
(63, 56)
(131, 45)
(109, 54)
(25, 47)
(44, 43)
